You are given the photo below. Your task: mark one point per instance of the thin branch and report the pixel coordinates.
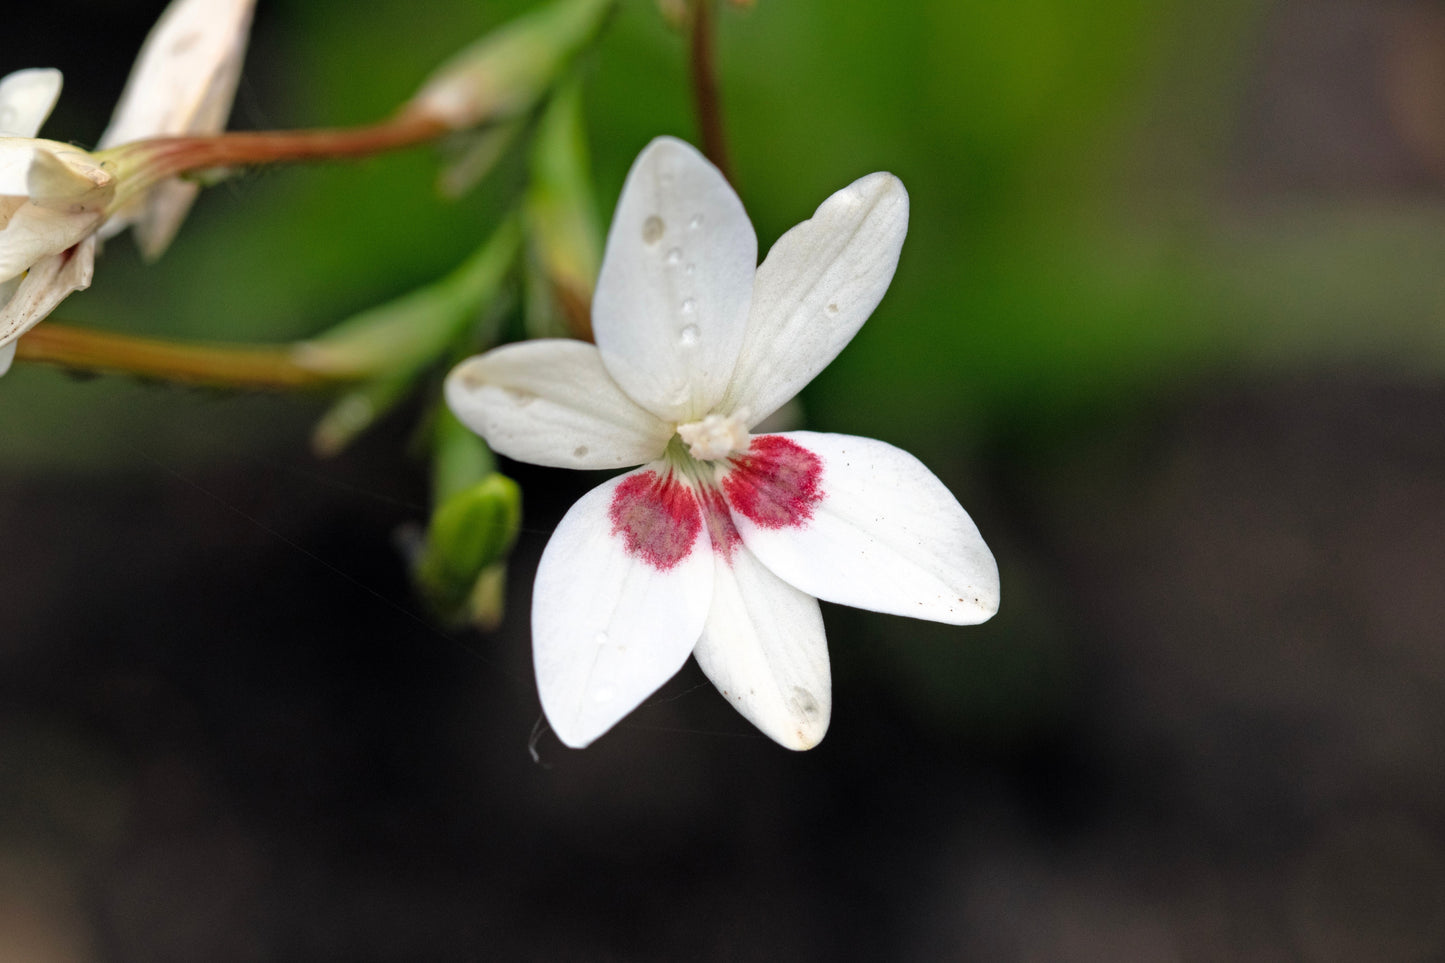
(164, 157)
(705, 87)
(271, 368)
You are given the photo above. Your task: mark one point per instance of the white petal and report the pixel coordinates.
(677, 276)
(49, 282)
(763, 647)
(166, 206)
(68, 179)
(185, 77)
(16, 156)
(819, 283)
(550, 402)
(26, 99)
(621, 595)
(7, 356)
(859, 522)
(33, 233)
(183, 82)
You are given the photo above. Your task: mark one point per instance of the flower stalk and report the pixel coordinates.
(142, 164)
(263, 368)
(705, 87)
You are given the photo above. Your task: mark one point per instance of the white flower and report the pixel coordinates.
(52, 199)
(183, 83)
(722, 542)
(56, 200)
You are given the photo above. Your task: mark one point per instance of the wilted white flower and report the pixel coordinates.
(52, 199)
(722, 542)
(183, 83)
(57, 200)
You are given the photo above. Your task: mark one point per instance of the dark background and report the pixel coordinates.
(1169, 322)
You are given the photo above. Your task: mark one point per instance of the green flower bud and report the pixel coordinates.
(506, 72)
(470, 533)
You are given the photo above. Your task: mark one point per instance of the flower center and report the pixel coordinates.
(716, 436)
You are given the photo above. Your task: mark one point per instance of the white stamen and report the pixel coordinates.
(716, 436)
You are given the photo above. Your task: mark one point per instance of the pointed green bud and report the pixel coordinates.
(486, 605)
(506, 73)
(469, 533)
(354, 412)
(397, 339)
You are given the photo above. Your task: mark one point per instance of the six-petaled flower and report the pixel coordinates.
(721, 543)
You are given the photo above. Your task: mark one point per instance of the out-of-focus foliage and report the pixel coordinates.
(1213, 686)
(1074, 234)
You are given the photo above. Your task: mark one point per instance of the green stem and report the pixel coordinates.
(267, 368)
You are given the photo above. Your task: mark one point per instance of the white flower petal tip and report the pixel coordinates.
(859, 522)
(551, 402)
(185, 76)
(818, 284)
(672, 296)
(764, 648)
(621, 596)
(48, 282)
(26, 99)
(7, 357)
(68, 179)
(183, 82)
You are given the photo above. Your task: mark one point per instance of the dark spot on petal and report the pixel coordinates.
(775, 483)
(657, 518)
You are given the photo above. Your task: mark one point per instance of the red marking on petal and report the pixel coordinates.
(776, 483)
(719, 521)
(657, 517)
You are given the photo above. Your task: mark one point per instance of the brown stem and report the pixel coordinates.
(169, 156)
(221, 366)
(705, 89)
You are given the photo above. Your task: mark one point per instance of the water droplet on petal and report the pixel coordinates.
(601, 638)
(652, 229)
(689, 268)
(689, 305)
(674, 255)
(688, 335)
(696, 222)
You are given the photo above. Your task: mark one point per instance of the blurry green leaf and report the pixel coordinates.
(460, 458)
(355, 412)
(559, 212)
(474, 154)
(398, 338)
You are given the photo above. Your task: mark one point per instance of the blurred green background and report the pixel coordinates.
(1106, 200)
(1169, 321)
